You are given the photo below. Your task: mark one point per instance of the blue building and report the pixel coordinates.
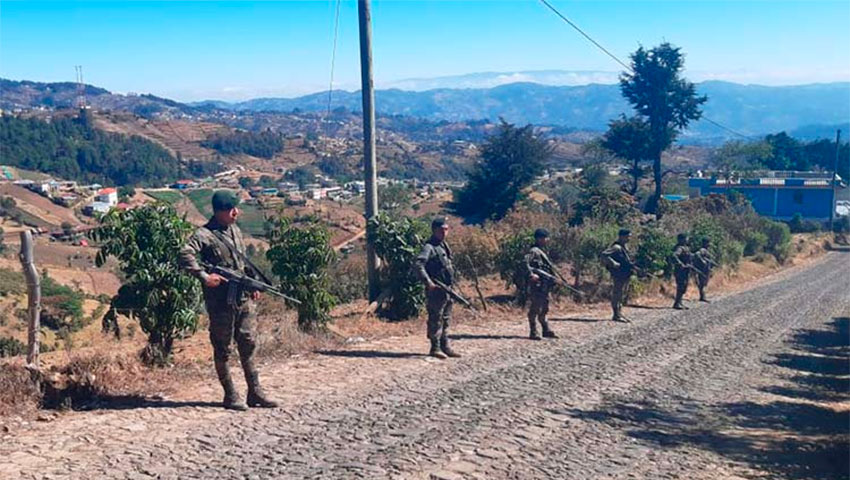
(778, 195)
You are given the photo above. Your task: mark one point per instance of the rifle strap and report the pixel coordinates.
(234, 251)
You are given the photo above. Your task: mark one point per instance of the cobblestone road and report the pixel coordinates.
(734, 389)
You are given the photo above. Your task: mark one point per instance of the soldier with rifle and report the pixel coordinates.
(229, 301)
(681, 262)
(619, 263)
(703, 264)
(434, 268)
(541, 274)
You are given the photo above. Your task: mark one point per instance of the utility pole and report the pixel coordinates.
(834, 174)
(365, 15)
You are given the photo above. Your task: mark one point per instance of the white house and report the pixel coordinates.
(108, 196)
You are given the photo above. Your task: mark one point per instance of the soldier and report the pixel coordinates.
(219, 242)
(538, 288)
(681, 261)
(703, 263)
(618, 261)
(435, 263)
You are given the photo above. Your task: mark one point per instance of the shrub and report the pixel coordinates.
(511, 260)
(301, 256)
(397, 243)
(475, 251)
(778, 239)
(723, 249)
(11, 282)
(350, 280)
(653, 250)
(754, 242)
(584, 254)
(147, 240)
(11, 347)
(798, 225)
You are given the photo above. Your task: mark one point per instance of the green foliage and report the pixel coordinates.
(631, 140)
(72, 149)
(736, 157)
(778, 239)
(395, 198)
(591, 241)
(259, 144)
(11, 347)
(798, 225)
(301, 175)
(510, 161)
(723, 249)
(510, 262)
(350, 279)
(146, 241)
(654, 248)
(754, 242)
(604, 205)
(665, 100)
(397, 243)
(62, 306)
(165, 196)
(301, 256)
(11, 282)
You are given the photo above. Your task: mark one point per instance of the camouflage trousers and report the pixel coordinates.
(538, 308)
(702, 282)
(682, 279)
(618, 293)
(439, 307)
(229, 324)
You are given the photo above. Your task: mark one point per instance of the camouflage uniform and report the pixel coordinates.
(703, 263)
(681, 260)
(228, 322)
(435, 262)
(538, 292)
(619, 263)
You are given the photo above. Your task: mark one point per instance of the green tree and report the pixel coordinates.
(394, 197)
(301, 256)
(510, 161)
(663, 99)
(397, 243)
(736, 157)
(510, 262)
(146, 242)
(631, 140)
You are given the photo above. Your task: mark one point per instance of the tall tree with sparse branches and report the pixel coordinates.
(663, 98)
(631, 140)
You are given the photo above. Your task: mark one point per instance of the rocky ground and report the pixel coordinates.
(752, 385)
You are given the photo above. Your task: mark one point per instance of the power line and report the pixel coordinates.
(627, 67)
(333, 57)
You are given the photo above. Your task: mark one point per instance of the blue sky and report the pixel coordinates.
(239, 50)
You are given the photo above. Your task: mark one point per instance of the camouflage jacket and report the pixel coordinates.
(537, 258)
(206, 245)
(435, 262)
(618, 261)
(681, 259)
(703, 261)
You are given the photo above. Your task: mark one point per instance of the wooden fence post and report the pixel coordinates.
(34, 297)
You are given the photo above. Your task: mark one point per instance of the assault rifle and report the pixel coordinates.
(555, 279)
(453, 294)
(238, 282)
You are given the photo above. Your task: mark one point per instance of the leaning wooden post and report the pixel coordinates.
(34, 295)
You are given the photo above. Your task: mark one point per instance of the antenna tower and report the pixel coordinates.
(81, 87)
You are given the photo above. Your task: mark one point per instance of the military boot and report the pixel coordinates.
(231, 398)
(256, 397)
(444, 346)
(532, 332)
(547, 332)
(435, 351)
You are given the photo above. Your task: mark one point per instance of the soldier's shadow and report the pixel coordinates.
(576, 319)
(368, 354)
(471, 336)
(131, 402)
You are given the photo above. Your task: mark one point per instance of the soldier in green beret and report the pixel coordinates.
(220, 243)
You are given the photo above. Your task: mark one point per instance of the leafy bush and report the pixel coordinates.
(723, 249)
(511, 259)
(62, 306)
(475, 251)
(798, 225)
(397, 243)
(147, 240)
(604, 205)
(653, 250)
(350, 280)
(591, 240)
(754, 242)
(301, 256)
(11, 347)
(778, 239)
(11, 282)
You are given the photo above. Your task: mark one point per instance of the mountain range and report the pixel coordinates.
(812, 111)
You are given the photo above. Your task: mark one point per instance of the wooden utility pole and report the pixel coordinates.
(834, 174)
(34, 296)
(365, 15)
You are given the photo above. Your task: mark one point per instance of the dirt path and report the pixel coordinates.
(748, 386)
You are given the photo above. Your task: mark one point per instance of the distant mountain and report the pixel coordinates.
(747, 109)
(496, 79)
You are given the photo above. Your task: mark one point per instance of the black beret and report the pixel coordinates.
(624, 232)
(541, 233)
(224, 200)
(438, 222)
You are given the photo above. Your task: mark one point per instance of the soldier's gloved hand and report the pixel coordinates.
(255, 295)
(534, 278)
(213, 280)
